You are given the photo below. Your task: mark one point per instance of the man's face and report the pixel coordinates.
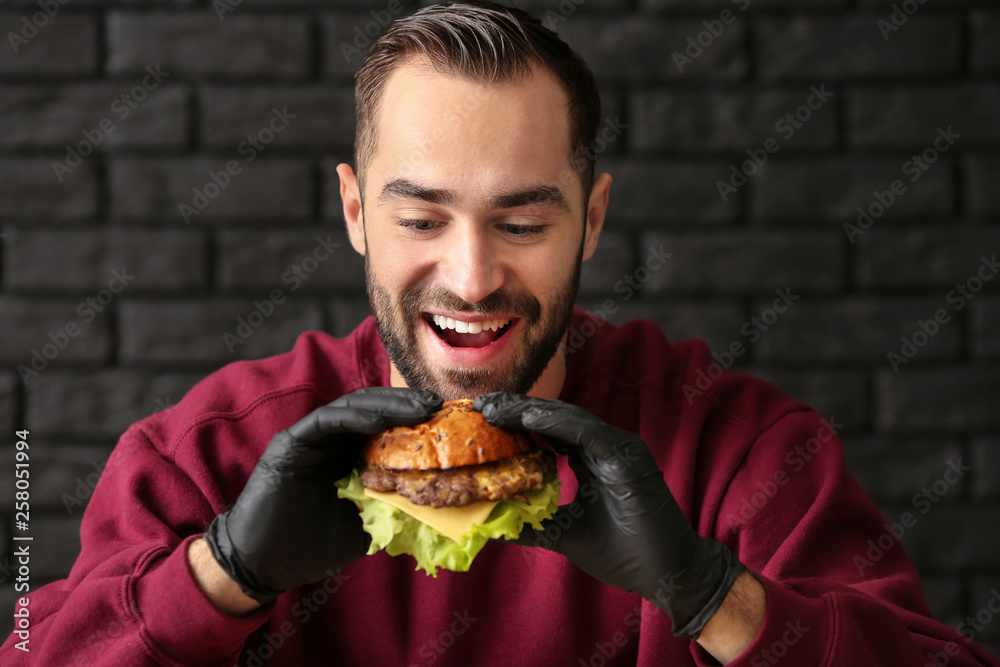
(473, 230)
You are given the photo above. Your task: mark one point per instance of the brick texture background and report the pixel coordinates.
(78, 80)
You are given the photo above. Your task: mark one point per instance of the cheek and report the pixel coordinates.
(397, 265)
(548, 272)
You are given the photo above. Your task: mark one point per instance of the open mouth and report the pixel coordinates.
(457, 333)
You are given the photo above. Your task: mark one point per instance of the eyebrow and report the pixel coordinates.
(542, 195)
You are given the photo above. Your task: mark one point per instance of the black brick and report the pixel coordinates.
(985, 593)
(821, 49)
(560, 9)
(82, 261)
(840, 394)
(893, 469)
(664, 192)
(346, 314)
(66, 45)
(989, 643)
(265, 188)
(408, 6)
(614, 258)
(29, 189)
(323, 115)
(290, 260)
(62, 476)
(985, 326)
(858, 329)
(832, 189)
(949, 538)
(56, 545)
(745, 261)
(730, 119)
(956, 398)
(612, 111)
(915, 116)
(986, 468)
(343, 48)
(27, 325)
(735, 5)
(163, 332)
(8, 401)
(101, 404)
(944, 597)
(198, 44)
(984, 196)
(7, 568)
(925, 257)
(936, 5)
(612, 130)
(715, 322)
(642, 48)
(54, 116)
(985, 48)
(8, 598)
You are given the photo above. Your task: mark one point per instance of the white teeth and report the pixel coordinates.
(469, 327)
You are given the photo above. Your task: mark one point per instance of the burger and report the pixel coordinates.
(439, 490)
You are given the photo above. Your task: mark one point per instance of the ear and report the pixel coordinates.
(352, 206)
(597, 208)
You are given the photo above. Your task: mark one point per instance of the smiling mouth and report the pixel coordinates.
(457, 333)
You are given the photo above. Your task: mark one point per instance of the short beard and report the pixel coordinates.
(542, 334)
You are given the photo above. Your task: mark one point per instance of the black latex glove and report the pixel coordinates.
(288, 527)
(630, 534)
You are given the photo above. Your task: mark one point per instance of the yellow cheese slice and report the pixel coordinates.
(453, 522)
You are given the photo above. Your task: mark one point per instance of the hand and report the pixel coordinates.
(288, 527)
(631, 535)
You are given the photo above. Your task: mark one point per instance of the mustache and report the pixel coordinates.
(501, 301)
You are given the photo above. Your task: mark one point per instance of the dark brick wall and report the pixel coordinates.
(694, 114)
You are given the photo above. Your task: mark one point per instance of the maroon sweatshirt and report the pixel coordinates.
(750, 467)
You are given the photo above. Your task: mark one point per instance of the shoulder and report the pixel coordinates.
(700, 419)
(268, 395)
(683, 378)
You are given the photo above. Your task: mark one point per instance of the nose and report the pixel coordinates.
(470, 266)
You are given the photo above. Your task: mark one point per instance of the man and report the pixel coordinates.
(216, 531)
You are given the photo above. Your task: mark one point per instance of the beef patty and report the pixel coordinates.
(455, 487)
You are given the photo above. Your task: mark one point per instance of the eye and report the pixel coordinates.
(418, 226)
(522, 231)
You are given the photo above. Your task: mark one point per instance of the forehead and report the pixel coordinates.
(450, 131)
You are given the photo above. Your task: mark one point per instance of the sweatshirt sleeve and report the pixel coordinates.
(130, 598)
(840, 588)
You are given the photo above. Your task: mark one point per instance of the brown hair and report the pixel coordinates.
(486, 42)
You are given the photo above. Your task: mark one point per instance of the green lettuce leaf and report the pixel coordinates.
(399, 533)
